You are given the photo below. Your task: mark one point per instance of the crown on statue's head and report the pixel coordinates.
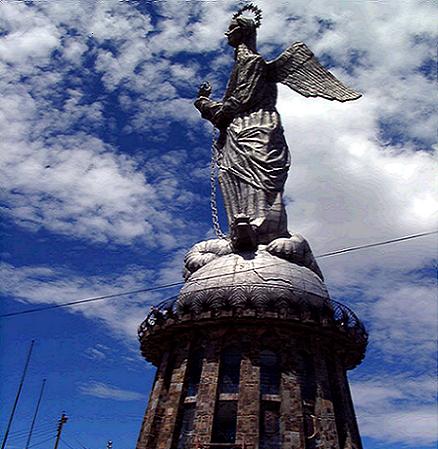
(255, 10)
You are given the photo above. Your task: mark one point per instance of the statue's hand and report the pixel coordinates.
(205, 90)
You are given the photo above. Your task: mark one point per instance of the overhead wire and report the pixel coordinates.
(79, 442)
(178, 283)
(43, 441)
(373, 245)
(66, 443)
(35, 433)
(42, 427)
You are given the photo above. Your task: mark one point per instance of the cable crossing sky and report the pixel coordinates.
(178, 283)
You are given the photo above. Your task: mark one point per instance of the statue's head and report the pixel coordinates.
(243, 30)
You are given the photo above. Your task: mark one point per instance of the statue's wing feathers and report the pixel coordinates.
(298, 68)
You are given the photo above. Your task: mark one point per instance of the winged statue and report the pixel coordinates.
(252, 155)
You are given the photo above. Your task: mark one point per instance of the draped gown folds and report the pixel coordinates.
(253, 155)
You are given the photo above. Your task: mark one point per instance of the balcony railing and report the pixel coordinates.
(272, 299)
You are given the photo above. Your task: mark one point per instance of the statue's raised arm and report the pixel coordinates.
(253, 157)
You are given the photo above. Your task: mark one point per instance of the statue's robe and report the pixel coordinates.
(253, 155)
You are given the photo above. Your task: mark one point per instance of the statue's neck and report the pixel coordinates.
(242, 50)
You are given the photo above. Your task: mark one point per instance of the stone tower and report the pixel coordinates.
(252, 354)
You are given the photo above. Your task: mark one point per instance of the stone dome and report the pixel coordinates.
(256, 278)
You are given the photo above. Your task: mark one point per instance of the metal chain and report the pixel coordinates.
(213, 199)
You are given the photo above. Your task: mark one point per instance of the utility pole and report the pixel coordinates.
(109, 445)
(61, 422)
(35, 414)
(17, 397)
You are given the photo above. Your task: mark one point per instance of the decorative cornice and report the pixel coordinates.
(247, 303)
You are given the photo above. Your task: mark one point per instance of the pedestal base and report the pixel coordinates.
(249, 384)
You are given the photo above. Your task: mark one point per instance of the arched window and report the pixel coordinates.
(224, 423)
(229, 370)
(194, 371)
(269, 373)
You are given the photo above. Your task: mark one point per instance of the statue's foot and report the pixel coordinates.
(204, 252)
(295, 249)
(243, 234)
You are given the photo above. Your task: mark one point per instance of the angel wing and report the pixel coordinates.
(298, 68)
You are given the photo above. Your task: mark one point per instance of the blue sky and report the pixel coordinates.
(104, 165)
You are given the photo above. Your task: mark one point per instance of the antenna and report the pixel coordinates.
(17, 397)
(35, 414)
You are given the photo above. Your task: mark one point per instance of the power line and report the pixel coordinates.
(176, 284)
(67, 444)
(95, 298)
(37, 433)
(373, 245)
(23, 431)
(80, 444)
(41, 442)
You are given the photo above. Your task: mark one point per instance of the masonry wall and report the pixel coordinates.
(311, 408)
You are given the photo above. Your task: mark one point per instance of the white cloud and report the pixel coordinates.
(352, 162)
(97, 352)
(39, 285)
(29, 38)
(106, 391)
(44, 285)
(60, 175)
(397, 409)
(78, 186)
(362, 172)
(407, 316)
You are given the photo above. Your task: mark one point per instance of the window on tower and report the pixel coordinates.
(229, 371)
(224, 423)
(170, 366)
(194, 371)
(269, 373)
